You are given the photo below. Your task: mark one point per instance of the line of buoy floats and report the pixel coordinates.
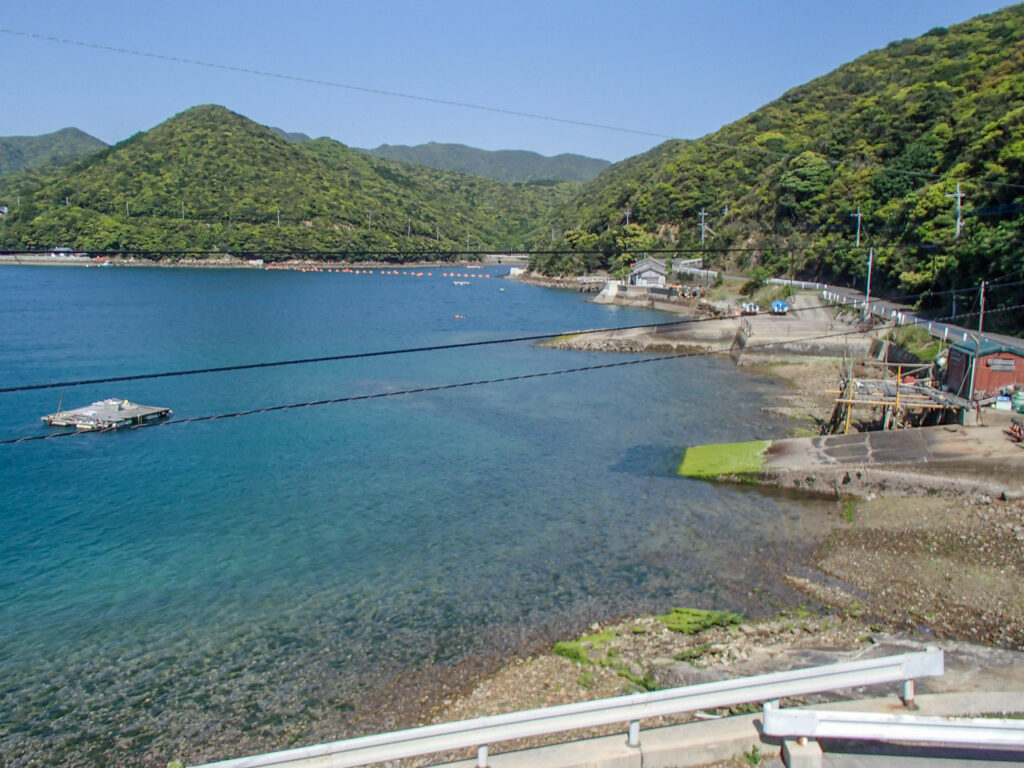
(349, 270)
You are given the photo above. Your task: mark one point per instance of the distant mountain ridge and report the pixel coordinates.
(52, 149)
(509, 165)
(210, 180)
(290, 137)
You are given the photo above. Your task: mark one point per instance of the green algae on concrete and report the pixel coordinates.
(724, 459)
(690, 621)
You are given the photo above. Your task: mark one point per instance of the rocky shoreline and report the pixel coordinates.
(562, 283)
(909, 556)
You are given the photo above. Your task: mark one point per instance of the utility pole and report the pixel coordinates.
(857, 216)
(704, 228)
(183, 214)
(981, 315)
(126, 211)
(278, 216)
(959, 198)
(370, 224)
(408, 229)
(867, 292)
(628, 211)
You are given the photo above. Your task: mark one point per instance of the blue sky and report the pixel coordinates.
(680, 69)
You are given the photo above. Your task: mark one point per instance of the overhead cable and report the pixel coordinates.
(356, 355)
(481, 107)
(330, 84)
(421, 390)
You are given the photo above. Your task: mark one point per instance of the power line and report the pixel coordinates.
(308, 360)
(436, 347)
(991, 284)
(330, 84)
(481, 107)
(988, 311)
(421, 390)
(355, 355)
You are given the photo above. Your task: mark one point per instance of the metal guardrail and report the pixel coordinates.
(870, 726)
(802, 284)
(482, 731)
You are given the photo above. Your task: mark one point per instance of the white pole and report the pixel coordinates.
(867, 294)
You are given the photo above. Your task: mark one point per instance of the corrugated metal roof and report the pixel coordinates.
(985, 347)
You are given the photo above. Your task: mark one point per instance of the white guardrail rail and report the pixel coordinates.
(872, 726)
(482, 731)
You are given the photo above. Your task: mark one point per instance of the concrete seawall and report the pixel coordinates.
(948, 459)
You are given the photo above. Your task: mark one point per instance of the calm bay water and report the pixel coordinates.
(205, 590)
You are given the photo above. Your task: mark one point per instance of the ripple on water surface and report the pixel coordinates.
(202, 591)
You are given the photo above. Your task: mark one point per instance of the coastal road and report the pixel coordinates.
(904, 315)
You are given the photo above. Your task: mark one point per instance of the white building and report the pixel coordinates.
(648, 272)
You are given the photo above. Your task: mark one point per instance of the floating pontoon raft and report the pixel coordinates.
(111, 413)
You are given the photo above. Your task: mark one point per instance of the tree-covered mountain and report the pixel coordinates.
(890, 134)
(211, 180)
(508, 165)
(53, 149)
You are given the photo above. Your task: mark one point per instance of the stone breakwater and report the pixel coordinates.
(563, 283)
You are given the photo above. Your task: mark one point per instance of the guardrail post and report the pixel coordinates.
(633, 739)
(908, 694)
(802, 753)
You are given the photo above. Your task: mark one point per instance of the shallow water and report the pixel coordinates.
(204, 590)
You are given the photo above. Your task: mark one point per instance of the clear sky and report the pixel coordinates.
(673, 69)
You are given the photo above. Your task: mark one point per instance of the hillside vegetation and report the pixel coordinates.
(891, 133)
(53, 149)
(508, 165)
(211, 180)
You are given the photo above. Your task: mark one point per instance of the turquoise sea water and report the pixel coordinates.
(206, 590)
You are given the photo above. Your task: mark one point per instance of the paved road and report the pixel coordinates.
(904, 315)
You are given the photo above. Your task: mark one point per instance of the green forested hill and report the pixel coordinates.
(891, 133)
(57, 148)
(502, 165)
(211, 180)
